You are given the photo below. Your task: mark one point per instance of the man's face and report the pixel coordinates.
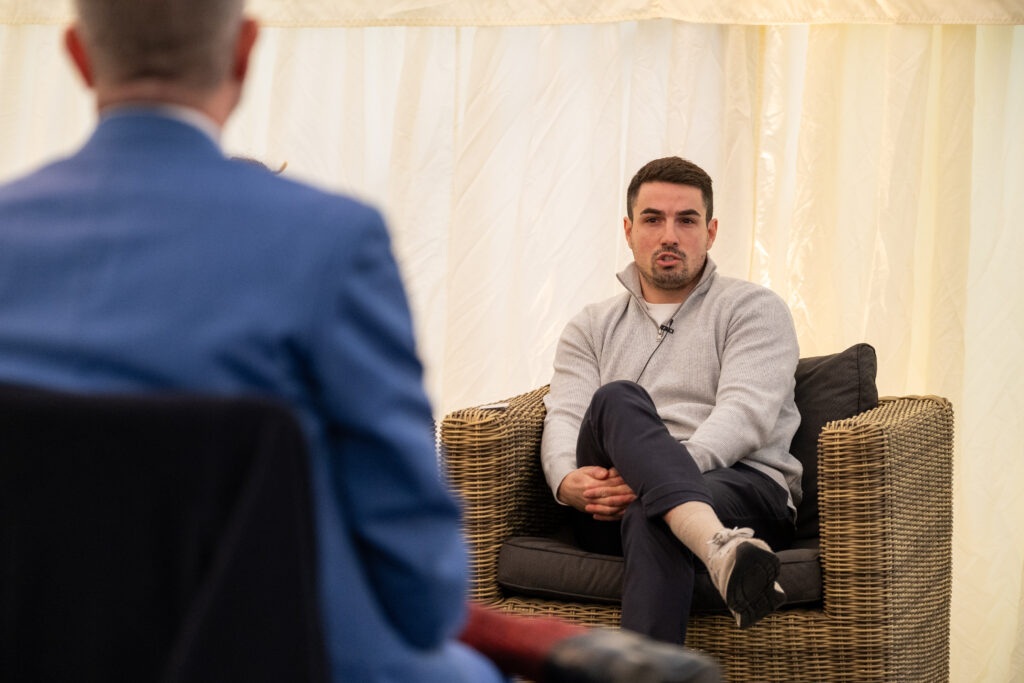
(670, 237)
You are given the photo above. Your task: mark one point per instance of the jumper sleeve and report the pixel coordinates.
(758, 361)
(573, 384)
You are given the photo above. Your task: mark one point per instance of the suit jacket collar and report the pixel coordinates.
(192, 117)
(151, 132)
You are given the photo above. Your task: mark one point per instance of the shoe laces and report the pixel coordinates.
(722, 538)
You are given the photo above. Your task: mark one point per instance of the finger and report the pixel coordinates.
(606, 491)
(601, 509)
(618, 490)
(618, 484)
(614, 501)
(607, 504)
(610, 507)
(608, 518)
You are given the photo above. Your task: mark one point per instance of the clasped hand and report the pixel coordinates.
(598, 491)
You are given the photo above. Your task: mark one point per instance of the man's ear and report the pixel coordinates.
(627, 227)
(712, 232)
(243, 48)
(76, 50)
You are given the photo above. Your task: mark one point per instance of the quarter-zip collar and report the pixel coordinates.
(630, 279)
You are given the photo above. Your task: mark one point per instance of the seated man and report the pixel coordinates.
(148, 262)
(670, 416)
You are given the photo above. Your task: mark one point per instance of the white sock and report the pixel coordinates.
(694, 523)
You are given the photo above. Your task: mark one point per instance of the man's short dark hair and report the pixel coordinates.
(182, 41)
(671, 170)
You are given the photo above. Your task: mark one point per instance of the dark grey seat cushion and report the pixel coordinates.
(556, 569)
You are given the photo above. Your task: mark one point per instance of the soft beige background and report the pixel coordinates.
(870, 172)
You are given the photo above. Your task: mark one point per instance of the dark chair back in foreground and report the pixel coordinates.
(154, 538)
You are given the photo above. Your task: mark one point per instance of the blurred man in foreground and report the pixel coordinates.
(148, 262)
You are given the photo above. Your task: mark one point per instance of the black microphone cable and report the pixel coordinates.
(666, 329)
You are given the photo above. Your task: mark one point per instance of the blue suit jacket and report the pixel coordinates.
(149, 262)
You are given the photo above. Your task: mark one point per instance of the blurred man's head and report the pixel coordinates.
(138, 49)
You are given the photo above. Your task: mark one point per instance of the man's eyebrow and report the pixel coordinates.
(659, 212)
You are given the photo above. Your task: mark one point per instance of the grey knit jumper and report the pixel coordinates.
(722, 381)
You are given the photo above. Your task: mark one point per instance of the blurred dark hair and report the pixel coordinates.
(182, 41)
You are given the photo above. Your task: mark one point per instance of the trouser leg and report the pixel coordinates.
(622, 429)
(658, 576)
(657, 583)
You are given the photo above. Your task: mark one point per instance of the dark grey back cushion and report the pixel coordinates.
(828, 388)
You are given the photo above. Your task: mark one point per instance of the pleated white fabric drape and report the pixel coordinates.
(348, 13)
(872, 174)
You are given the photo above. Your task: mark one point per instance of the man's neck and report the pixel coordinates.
(215, 105)
(654, 295)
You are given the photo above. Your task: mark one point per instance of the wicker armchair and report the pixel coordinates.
(885, 509)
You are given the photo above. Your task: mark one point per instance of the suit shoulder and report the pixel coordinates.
(306, 207)
(280, 188)
(36, 180)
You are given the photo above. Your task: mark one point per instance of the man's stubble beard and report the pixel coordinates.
(672, 281)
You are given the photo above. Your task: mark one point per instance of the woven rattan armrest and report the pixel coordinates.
(885, 503)
(490, 455)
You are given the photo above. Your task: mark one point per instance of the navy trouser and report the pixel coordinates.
(622, 429)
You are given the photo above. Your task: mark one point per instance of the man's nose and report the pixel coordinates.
(668, 236)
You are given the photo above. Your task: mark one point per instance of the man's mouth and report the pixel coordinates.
(667, 259)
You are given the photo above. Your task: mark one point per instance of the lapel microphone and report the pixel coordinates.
(664, 327)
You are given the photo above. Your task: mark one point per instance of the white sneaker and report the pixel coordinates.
(744, 569)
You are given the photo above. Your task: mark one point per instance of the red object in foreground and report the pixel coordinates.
(516, 644)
